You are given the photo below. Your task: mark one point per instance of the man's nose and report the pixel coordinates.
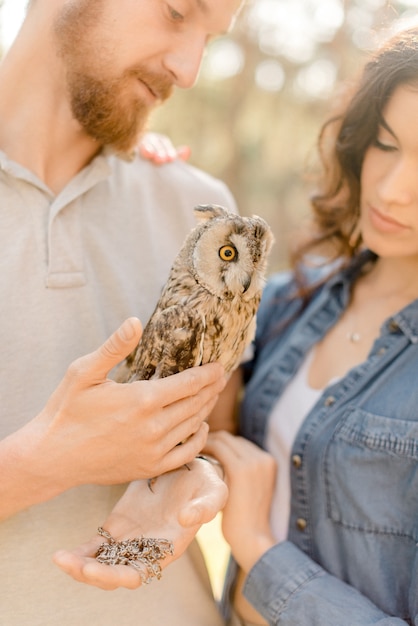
(183, 61)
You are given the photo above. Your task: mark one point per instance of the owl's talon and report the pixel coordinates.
(151, 482)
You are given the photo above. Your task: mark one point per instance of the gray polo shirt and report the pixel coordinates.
(73, 267)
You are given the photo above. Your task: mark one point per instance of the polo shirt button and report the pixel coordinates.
(296, 460)
(301, 524)
(329, 401)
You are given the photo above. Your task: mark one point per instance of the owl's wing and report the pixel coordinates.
(172, 342)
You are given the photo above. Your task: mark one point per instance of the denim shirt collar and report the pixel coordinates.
(339, 289)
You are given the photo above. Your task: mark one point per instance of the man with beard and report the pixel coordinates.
(88, 232)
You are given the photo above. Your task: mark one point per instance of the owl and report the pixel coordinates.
(207, 308)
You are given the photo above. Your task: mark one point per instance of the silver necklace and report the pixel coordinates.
(353, 337)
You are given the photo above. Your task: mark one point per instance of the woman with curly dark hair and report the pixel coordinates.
(324, 525)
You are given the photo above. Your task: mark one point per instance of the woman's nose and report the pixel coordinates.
(400, 183)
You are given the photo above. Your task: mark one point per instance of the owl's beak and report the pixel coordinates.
(246, 284)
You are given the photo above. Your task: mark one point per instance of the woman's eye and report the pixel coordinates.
(385, 147)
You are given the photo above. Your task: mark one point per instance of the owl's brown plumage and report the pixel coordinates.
(207, 309)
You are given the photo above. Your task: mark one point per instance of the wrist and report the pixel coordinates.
(213, 461)
(28, 477)
(249, 551)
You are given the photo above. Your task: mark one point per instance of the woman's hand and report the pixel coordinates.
(176, 507)
(159, 149)
(250, 475)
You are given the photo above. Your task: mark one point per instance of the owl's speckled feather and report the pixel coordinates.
(207, 309)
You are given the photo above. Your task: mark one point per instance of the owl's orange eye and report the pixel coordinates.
(227, 253)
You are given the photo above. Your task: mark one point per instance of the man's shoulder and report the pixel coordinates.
(176, 179)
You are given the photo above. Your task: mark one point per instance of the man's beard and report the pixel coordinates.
(109, 111)
(107, 107)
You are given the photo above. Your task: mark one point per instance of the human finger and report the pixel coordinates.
(227, 448)
(157, 148)
(82, 566)
(185, 417)
(184, 153)
(110, 577)
(191, 432)
(242, 459)
(228, 444)
(115, 349)
(89, 571)
(182, 454)
(188, 383)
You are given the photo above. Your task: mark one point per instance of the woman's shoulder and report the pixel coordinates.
(285, 292)
(289, 285)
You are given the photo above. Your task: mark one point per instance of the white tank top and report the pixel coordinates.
(285, 420)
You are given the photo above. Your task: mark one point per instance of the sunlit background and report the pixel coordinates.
(263, 93)
(12, 13)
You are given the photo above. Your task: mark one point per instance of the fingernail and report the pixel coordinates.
(127, 330)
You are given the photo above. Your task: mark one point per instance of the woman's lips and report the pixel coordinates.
(384, 223)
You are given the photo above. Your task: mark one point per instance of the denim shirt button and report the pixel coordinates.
(329, 400)
(296, 461)
(301, 524)
(381, 351)
(393, 326)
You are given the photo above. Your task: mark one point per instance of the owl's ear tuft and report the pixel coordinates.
(205, 212)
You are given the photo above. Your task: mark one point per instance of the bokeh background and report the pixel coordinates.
(263, 92)
(253, 117)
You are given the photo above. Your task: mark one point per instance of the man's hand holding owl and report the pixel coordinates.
(179, 503)
(94, 430)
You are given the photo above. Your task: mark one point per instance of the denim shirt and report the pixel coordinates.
(351, 554)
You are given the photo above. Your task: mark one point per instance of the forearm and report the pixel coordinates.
(289, 588)
(30, 471)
